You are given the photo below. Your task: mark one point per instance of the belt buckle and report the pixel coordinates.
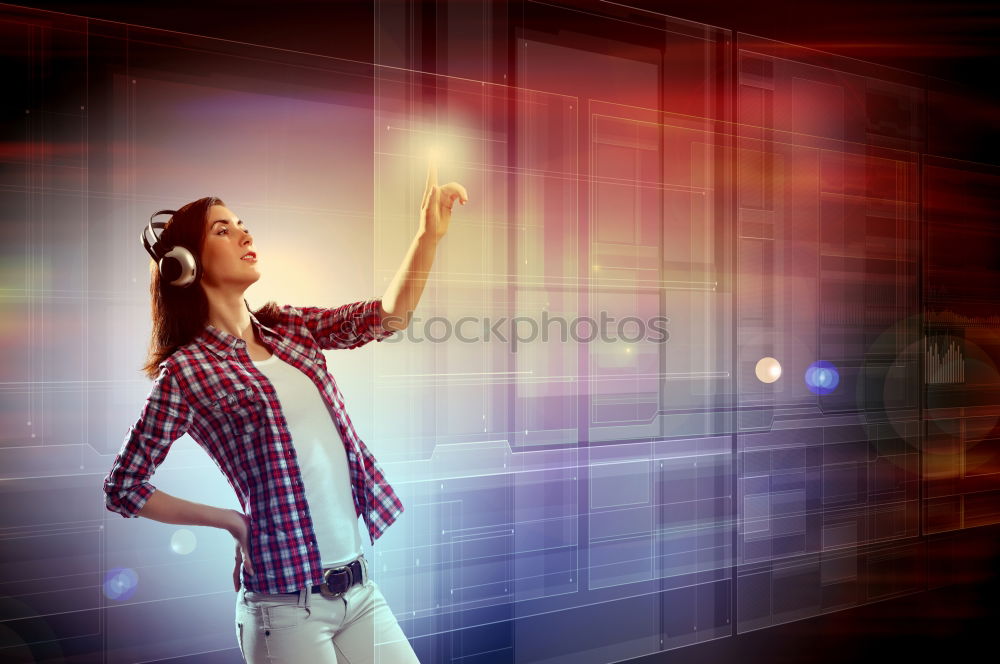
(325, 590)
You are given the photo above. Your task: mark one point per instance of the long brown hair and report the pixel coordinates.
(180, 314)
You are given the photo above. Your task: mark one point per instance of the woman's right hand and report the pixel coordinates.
(239, 529)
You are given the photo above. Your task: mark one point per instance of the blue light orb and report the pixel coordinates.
(120, 583)
(822, 377)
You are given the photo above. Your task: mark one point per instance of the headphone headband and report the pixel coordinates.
(156, 249)
(178, 266)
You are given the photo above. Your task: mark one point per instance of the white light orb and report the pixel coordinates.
(183, 541)
(768, 370)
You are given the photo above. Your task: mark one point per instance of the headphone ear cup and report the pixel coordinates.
(180, 268)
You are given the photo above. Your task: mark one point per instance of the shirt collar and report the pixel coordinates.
(222, 343)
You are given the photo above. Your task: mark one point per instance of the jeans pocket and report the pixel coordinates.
(276, 617)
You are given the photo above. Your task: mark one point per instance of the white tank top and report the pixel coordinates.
(322, 460)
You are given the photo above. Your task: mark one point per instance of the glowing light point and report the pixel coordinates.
(183, 541)
(120, 583)
(822, 377)
(768, 370)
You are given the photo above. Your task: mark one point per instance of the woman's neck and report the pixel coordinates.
(230, 316)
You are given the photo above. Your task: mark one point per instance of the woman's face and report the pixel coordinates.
(227, 241)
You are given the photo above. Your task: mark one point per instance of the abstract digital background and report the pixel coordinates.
(818, 221)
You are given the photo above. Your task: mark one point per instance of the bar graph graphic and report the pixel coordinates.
(944, 360)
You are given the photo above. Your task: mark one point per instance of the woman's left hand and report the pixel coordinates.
(435, 209)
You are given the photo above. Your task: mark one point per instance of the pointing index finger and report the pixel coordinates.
(432, 171)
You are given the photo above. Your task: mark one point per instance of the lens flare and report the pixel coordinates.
(822, 377)
(768, 370)
(120, 583)
(183, 541)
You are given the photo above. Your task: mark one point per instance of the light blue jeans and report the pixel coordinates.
(308, 628)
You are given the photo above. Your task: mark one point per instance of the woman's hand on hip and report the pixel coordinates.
(239, 528)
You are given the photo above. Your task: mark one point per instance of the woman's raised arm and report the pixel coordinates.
(403, 294)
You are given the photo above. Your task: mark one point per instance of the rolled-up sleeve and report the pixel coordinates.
(165, 417)
(347, 326)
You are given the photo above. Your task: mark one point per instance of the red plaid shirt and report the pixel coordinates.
(211, 389)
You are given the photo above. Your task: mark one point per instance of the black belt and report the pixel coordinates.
(337, 580)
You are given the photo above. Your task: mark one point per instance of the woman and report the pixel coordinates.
(253, 390)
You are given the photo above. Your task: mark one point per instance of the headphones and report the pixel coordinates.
(179, 266)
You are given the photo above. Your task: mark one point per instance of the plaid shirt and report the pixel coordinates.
(211, 389)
